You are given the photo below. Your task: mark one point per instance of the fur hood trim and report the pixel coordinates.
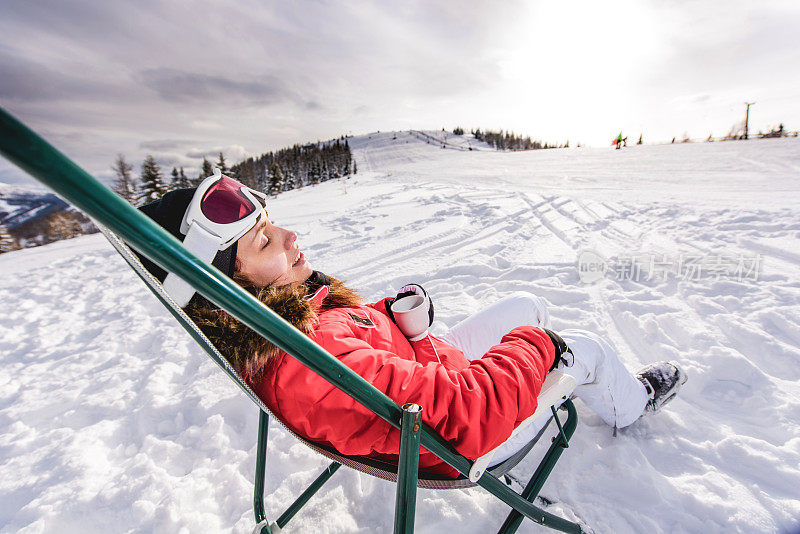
(247, 351)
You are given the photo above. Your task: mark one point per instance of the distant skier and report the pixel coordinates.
(619, 141)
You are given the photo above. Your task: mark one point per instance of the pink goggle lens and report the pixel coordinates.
(225, 203)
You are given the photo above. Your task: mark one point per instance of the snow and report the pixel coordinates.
(19, 205)
(111, 419)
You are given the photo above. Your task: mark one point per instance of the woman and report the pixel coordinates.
(475, 384)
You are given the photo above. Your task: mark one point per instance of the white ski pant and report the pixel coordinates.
(603, 382)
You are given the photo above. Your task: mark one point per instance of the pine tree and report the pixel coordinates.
(221, 165)
(324, 172)
(245, 172)
(276, 181)
(124, 183)
(176, 179)
(152, 182)
(260, 176)
(183, 180)
(6, 241)
(299, 165)
(207, 169)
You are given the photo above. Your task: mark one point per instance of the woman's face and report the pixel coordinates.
(269, 255)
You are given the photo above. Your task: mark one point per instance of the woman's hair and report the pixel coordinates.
(248, 352)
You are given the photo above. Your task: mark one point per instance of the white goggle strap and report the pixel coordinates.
(202, 244)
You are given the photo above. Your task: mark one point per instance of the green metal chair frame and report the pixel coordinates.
(33, 154)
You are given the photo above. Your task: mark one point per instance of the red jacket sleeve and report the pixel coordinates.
(381, 305)
(475, 408)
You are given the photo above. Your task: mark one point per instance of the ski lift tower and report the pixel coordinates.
(747, 120)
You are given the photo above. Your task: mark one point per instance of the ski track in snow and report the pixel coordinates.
(111, 419)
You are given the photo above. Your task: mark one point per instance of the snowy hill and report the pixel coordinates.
(379, 149)
(22, 205)
(113, 420)
(34, 216)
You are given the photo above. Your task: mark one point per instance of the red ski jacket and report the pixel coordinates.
(475, 405)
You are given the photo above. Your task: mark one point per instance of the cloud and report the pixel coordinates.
(166, 161)
(687, 101)
(165, 144)
(175, 85)
(28, 80)
(155, 77)
(233, 153)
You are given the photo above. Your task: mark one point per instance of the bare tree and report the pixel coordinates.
(124, 183)
(63, 226)
(6, 241)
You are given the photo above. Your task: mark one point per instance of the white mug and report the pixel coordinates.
(411, 315)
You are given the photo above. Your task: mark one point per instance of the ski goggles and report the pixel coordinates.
(221, 211)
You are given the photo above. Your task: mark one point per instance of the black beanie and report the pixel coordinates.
(168, 212)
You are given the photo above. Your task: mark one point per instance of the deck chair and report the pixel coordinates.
(25, 148)
(555, 391)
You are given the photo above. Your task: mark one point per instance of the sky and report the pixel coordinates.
(185, 79)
